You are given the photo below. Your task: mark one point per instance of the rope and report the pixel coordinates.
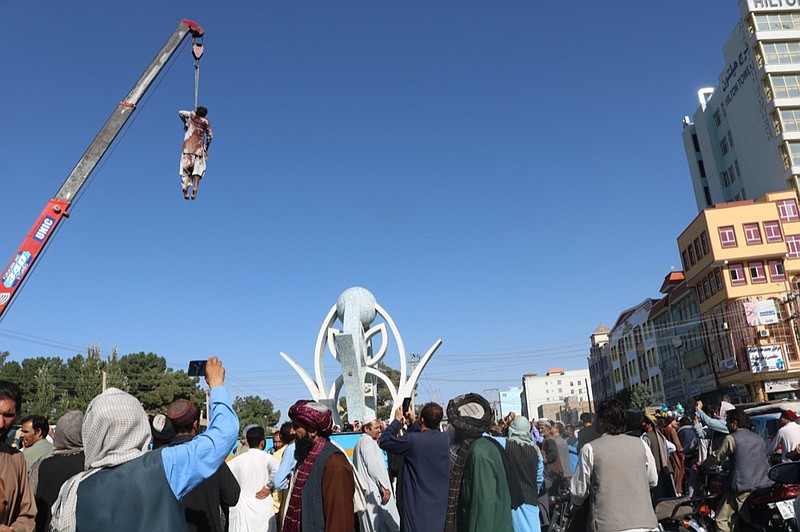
(196, 82)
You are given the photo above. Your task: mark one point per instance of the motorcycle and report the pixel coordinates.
(685, 513)
(771, 508)
(561, 512)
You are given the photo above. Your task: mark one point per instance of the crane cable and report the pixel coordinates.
(197, 52)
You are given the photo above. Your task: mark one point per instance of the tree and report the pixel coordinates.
(156, 385)
(253, 410)
(43, 402)
(624, 397)
(641, 397)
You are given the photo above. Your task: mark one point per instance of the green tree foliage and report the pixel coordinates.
(155, 384)
(51, 386)
(624, 397)
(253, 410)
(641, 397)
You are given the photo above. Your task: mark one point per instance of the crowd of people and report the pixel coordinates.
(114, 468)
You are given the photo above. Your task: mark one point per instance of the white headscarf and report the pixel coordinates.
(115, 430)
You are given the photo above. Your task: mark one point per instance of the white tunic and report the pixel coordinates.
(370, 465)
(253, 470)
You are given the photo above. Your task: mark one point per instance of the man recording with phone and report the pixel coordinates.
(136, 489)
(426, 470)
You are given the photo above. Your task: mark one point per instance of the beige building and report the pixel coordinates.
(742, 259)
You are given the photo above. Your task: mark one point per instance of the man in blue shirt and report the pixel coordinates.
(124, 488)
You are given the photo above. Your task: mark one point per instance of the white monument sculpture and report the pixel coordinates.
(351, 346)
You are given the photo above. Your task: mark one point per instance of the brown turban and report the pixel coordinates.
(312, 415)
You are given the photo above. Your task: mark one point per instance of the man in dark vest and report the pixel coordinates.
(221, 491)
(748, 456)
(124, 488)
(321, 495)
(615, 473)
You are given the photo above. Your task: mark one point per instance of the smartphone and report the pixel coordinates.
(406, 405)
(197, 368)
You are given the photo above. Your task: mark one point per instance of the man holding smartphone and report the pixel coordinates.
(426, 471)
(138, 490)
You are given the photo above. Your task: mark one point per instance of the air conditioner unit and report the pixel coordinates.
(763, 333)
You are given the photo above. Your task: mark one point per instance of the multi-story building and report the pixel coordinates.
(742, 259)
(553, 387)
(684, 366)
(600, 364)
(634, 351)
(744, 139)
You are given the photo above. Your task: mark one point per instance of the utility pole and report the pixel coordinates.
(413, 363)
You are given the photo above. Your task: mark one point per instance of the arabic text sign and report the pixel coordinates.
(766, 358)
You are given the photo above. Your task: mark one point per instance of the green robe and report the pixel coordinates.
(484, 502)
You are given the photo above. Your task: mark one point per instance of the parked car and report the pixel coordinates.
(764, 417)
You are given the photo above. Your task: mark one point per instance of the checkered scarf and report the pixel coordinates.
(115, 430)
(293, 522)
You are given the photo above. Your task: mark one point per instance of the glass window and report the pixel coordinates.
(712, 281)
(793, 246)
(787, 210)
(786, 86)
(790, 119)
(791, 154)
(752, 233)
(757, 274)
(777, 21)
(717, 118)
(691, 255)
(772, 230)
(730, 138)
(776, 271)
(781, 53)
(718, 276)
(706, 289)
(700, 295)
(723, 145)
(704, 242)
(685, 259)
(727, 236)
(697, 250)
(736, 271)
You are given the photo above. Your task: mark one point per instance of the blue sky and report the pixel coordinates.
(504, 176)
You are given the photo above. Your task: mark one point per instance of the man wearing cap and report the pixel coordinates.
(202, 504)
(369, 462)
(126, 488)
(253, 470)
(321, 495)
(480, 495)
(788, 437)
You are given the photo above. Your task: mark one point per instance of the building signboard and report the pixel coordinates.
(728, 364)
(766, 358)
(786, 385)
